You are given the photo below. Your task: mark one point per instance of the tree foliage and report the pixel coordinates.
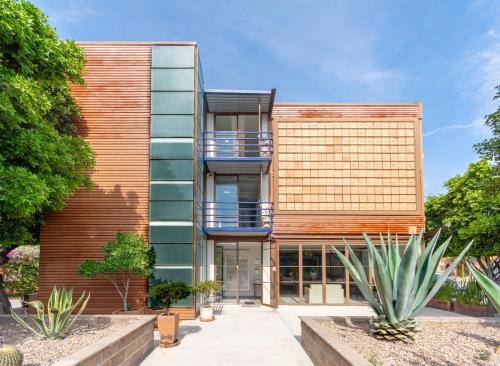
(470, 209)
(126, 256)
(42, 160)
(170, 292)
(490, 148)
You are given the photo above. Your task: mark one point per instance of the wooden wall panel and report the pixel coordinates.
(115, 103)
(341, 169)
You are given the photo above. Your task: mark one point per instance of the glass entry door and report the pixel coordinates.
(238, 269)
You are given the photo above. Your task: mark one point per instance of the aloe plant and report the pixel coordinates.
(59, 308)
(404, 284)
(489, 286)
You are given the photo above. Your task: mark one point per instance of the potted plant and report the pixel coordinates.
(169, 293)
(207, 289)
(126, 257)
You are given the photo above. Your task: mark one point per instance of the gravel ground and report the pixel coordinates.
(38, 352)
(437, 344)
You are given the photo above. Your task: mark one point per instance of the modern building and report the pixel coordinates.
(230, 185)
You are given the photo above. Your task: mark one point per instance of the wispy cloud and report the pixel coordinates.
(70, 13)
(477, 126)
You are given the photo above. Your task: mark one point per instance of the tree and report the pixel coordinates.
(490, 148)
(42, 160)
(170, 292)
(470, 209)
(126, 256)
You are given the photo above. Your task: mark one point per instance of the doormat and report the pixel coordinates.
(250, 304)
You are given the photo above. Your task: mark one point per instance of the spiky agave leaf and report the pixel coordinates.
(489, 286)
(404, 285)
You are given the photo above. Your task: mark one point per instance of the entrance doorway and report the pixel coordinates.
(238, 267)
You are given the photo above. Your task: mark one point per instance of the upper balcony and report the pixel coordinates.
(237, 152)
(237, 138)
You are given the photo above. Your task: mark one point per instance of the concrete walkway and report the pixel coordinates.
(239, 336)
(251, 336)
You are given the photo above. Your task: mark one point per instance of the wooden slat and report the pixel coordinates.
(346, 169)
(115, 103)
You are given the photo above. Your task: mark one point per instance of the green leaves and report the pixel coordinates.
(489, 286)
(42, 161)
(59, 309)
(126, 256)
(404, 285)
(170, 292)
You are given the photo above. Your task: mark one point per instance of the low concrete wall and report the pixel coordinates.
(126, 347)
(324, 349)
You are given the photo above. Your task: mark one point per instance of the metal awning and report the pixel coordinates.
(239, 101)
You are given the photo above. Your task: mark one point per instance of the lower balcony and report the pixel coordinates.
(226, 218)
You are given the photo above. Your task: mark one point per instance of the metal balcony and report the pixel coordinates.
(237, 152)
(237, 218)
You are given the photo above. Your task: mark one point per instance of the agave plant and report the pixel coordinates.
(59, 308)
(489, 286)
(404, 284)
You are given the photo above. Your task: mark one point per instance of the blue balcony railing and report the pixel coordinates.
(231, 145)
(237, 216)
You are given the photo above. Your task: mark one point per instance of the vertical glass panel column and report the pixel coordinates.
(312, 279)
(355, 295)
(248, 133)
(335, 277)
(226, 266)
(226, 141)
(226, 197)
(289, 274)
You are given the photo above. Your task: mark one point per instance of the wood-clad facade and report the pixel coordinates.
(344, 169)
(115, 104)
(319, 172)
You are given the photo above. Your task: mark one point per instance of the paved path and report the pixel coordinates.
(239, 336)
(251, 336)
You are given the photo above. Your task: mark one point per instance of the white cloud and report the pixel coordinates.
(71, 12)
(477, 126)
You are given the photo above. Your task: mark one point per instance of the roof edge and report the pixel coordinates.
(138, 43)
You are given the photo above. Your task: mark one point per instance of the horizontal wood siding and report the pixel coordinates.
(346, 169)
(115, 103)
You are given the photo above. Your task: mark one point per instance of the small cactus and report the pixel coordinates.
(10, 356)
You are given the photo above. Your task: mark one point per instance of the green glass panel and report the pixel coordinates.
(173, 56)
(172, 169)
(172, 102)
(171, 192)
(173, 254)
(172, 126)
(172, 79)
(171, 150)
(171, 210)
(170, 234)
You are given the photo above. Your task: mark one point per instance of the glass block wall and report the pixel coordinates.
(172, 163)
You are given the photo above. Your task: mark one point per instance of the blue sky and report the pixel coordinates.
(443, 53)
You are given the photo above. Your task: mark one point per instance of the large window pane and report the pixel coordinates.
(355, 296)
(289, 274)
(335, 291)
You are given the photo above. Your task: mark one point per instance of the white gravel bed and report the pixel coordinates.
(437, 344)
(40, 352)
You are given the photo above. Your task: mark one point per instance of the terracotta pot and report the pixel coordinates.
(168, 326)
(138, 311)
(441, 304)
(207, 313)
(155, 311)
(472, 310)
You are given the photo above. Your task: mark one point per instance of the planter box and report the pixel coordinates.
(324, 349)
(128, 346)
(441, 304)
(473, 310)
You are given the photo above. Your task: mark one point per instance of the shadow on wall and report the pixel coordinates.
(77, 233)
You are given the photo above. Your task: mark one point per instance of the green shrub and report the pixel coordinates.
(448, 291)
(20, 272)
(472, 294)
(207, 290)
(170, 292)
